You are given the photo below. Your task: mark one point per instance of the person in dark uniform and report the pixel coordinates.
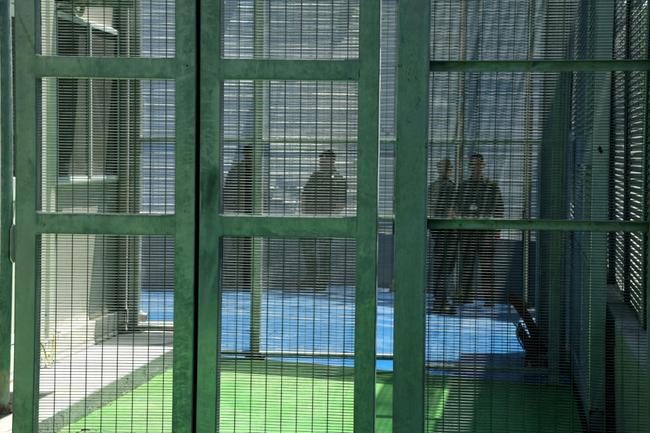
(443, 244)
(478, 197)
(324, 194)
(238, 199)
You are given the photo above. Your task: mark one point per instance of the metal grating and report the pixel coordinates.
(108, 28)
(500, 30)
(629, 138)
(287, 335)
(107, 146)
(106, 333)
(289, 148)
(500, 116)
(291, 29)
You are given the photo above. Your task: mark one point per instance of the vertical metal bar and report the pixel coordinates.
(6, 200)
(460, 111)
(209, 299)
(603, 13)
(528, 150)
(549, 297)
(186, 214)
(410, 214)
(367, 195)
(27, 311)
(258, 178)
(646, 213)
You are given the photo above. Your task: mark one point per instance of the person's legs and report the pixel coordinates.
(307, 277)
(468, 243)
(486, 258)
(323, 263)
(442, 262)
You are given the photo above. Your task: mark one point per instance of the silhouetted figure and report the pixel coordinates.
(324, 194)
(238, 199)
(443, 244)
(478, 197)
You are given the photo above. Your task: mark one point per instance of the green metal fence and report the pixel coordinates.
(180, 268)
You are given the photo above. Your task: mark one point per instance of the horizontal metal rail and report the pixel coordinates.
(106, 67)
(264, 226)
(112, 224)
(334, 70)
(296, 354)
(539, 65)
(542, 225)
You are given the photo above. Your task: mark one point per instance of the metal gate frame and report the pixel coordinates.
(31, 66)
(198, 72)
(411, 224)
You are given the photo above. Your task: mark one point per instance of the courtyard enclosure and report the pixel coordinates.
(326, 216)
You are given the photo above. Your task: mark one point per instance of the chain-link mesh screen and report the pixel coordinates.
(287, 335)
(106, 146)
(106, 333)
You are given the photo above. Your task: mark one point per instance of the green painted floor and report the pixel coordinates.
(295, 399)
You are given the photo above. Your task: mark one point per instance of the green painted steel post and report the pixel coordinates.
(209, 298)
(25, 405)
(186, 217)
(367, 212)
(6, 201)
(410, 215)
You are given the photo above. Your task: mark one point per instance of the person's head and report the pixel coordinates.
(326, 160)
(247, 153)
(476, 165)
(444, 168)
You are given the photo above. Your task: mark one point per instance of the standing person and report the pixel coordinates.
(238, 199)
(324, 194)
(478, 197)
(443, 244)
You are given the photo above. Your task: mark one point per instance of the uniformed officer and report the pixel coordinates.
(478, 197)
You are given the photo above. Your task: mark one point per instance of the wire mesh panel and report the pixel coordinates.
(475, 378)
(108, 28)
(510, 340)
(498, 116)
(500, 29)
(287, 336)
(495, 126)
(628, 141)
(107, 146)
(106, 333)
(291, 29)
(289, 148)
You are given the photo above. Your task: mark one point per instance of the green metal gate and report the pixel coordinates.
(173, 244)
(92, 86)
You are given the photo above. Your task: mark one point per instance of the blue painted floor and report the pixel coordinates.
(324, 322)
